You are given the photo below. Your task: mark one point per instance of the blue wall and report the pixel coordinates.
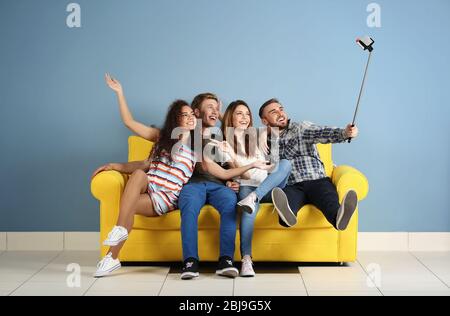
(58, 120)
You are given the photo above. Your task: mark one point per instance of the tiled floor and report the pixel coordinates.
(374, 274)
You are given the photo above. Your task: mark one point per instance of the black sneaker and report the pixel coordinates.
(282, 223)
(345, 212)
(190, 269)
(226, 268)
(281, 203)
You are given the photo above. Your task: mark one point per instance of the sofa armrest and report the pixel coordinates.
(108, 184)
(107, 187)
(346, 178)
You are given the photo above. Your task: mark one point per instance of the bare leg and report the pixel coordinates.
(135, 200)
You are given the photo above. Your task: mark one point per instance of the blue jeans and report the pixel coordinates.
(279, 179)
(192, 198)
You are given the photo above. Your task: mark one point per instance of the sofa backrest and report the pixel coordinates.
(139, 149)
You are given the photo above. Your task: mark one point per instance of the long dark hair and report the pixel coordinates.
(227, 122)
(165, 142)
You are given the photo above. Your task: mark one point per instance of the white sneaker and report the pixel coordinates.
(116, 236)
(248, 204)
(247, 267)
(106, 266)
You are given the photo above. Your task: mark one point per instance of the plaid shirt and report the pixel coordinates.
(297, 143)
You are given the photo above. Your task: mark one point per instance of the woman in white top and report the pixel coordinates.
(255, 185)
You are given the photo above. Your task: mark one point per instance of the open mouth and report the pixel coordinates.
(281, 120)
(243, 123)
(212, 118)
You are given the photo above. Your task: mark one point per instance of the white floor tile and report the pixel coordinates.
(400, 274)
(67, 264)
(205, 285)
(85, 257)
(346, 278)
(125, 289)
(400, 271)
(60, 272)
(437, 262)
(146, 281)
(20, 266)
(416, 293)
(134, 275)
(49, 289)
(344, 293)
(8, 287)
(122, 293)
(27, 258)
(270, 285)
(99, 286)
(57, 276)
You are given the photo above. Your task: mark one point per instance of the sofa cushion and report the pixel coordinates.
(309, 217)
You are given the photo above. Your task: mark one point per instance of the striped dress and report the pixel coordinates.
(166, 178)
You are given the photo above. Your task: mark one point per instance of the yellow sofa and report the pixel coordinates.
(313, 239)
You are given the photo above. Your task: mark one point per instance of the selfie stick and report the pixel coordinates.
(365, 43)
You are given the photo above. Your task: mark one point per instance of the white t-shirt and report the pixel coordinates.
(257, 176)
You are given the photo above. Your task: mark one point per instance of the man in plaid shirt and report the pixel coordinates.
(308, 183)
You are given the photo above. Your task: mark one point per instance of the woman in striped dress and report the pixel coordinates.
(154, 185)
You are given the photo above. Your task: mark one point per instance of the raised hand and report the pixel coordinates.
(351, 131)
(113, 83)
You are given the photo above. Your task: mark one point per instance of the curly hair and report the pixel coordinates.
(165, 142)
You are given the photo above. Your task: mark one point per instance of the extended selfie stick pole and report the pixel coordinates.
(367, 44)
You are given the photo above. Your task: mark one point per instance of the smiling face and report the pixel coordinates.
(187, 119)
(242, 118)
(237, 117)
(273, 115)
(208, 112)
